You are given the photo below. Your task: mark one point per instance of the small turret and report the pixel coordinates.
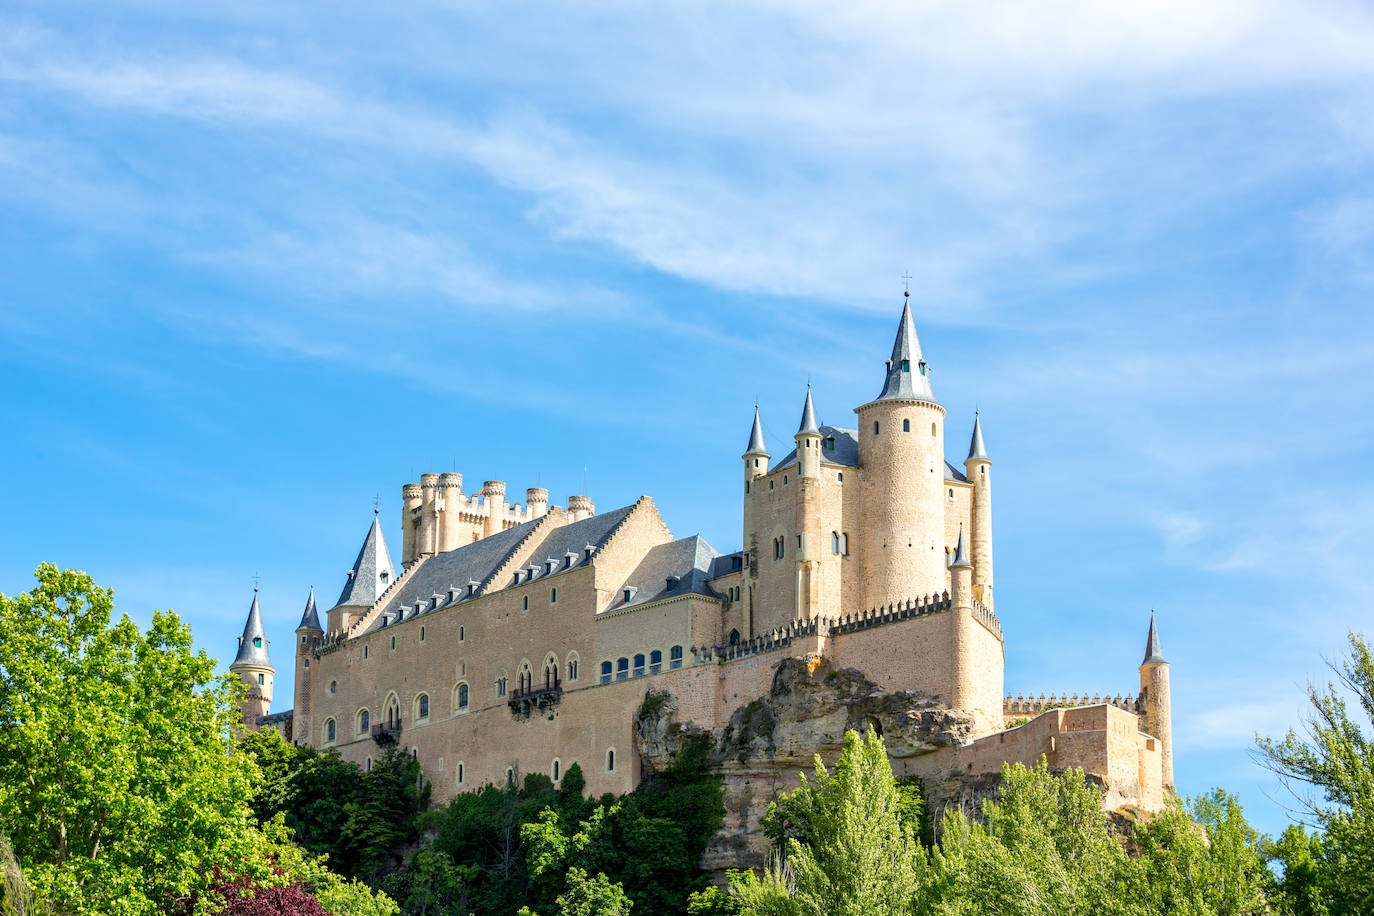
(808, 514)
(449, 507)
(808, 441)
(494, 499)
(411, 499)
(537, 502)
(1155, 703)
(308, 636)
(580, 507)
(254, 667)
(978, 470)
(427, 539)
(370, 576)
(961, 574)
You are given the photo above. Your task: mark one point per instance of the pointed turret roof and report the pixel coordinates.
(960, 554)
(756, 436)
(808, 420)
(372, 572)
(253, 642)
(1152, 653)
(908, 375)
(310, 620)
(976, 449)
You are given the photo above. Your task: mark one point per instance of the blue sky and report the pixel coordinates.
(259, 263)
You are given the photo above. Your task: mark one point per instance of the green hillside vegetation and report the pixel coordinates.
(127, 787)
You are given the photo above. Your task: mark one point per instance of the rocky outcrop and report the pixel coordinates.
(768, 741)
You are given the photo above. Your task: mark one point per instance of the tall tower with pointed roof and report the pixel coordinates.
(808, 522)
(902, 451)
(308, 636)
(1155, 703)
(254, 667)
(755, 459)
(370, 576)
(978, 470)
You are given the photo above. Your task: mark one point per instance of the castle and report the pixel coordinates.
(523, 638)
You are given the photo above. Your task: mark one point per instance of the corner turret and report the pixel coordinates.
(370, 576)
(808, 439)
(254, 667)
(1155, 705)
(808, 515)
(308, 636)
(978, 470)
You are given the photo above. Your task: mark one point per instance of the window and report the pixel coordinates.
(557, 770)
(462, 696)
(932, 430)
(368, 767)
(501, 684)
(422, 706)
(622, 669)
(675, 657)
(784, 480)
(605, 672)
(333, 686)
(527, 603)
(393, 711)
(257, 642)
(572, 666)
(365, 651)
(510, 776)
(840, 476)
(951, 492)
(460, 774)
(384, 575)
(331, 731)
(844, 544)
(770, 484)
(553, 596)
(734, 637)
(422, 634)
(393, 643)
(779, 548)
(639, 665)
(610, 760)
(364, 722)
(261, 680)
(875, 427)
(656, 661)
(906, 426)
(746, 486)
(799, 543)
(462, 633)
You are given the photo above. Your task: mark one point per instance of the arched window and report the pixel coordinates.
(392, 715)
(734, 637)
(932, 431)
(622, 668)
(675, 657)
(422, 707)
(461, 697)
(368, 767)
(639, 665)
(875, 427)
(779, 548)
(906, 426)
(605, 672)
(331, 729)
(262, 679)
(656, 661)
(572, 666)
(364, 722)
(502, 683)
(844, 544)
(462, 633)
(461, 774)
(527, 603)
(365, 648)
(834, 542)
(610, 760)
(557, 770)
(551, 672)
(526, 678)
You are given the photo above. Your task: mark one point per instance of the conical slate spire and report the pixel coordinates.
(1152, 653)
(960, 554)
(756, 436)
(253, 642)
(808, 421)
(976, 448)
(908, 375)
(372, 572)
(310, 620)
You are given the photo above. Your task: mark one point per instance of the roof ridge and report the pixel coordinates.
(540, 523)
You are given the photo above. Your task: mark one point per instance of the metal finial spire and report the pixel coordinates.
(256, 579)
(906, 285)
(376, 506)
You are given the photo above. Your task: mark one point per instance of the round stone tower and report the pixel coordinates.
(254, 668)
(536, 502)
(902, 454)
(308, 636)
(411, 499)
(1155, 704)
(450, 511)
(978, 470)
(494, 498)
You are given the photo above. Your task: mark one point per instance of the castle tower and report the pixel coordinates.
(976, 684)
(901, 450)
(537, 502)
(254, 668)
(450, 510)
(978, 470)
(308, 636)
(808, 519)
(494, 498)
(755, 466)
(1154, 703)
(580, 507)
(427, 539)
(370, 576)
(411, 499)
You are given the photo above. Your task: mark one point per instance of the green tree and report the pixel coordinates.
(1202, 861)
(1330, 765)
(592, 896)
(848, 848)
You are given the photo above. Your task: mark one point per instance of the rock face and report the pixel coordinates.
(809, 707)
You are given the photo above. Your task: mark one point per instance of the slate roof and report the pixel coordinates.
(478, 561)
(841, 446)
(691, 560)
(1152, 652)
(808, 420)
(253, 642)
(310, 620)
(756, 446)
(908, 374)
(371, 573)
(727, 563)
(976, 448)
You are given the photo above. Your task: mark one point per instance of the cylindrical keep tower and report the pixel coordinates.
(428, 536)
(450, 508)
(978, 470)
(580, 507)
(254, 668)
(494, 499)
(411, 498)
(537, 502)
(808, 513)
(902, 453)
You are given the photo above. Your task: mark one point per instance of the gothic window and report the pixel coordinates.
(572, 666)
(622, 668)
(656, 661)
(364, 722)
(844, 544)
(734, 637)
(551, 671)
(331, 731)
(392, 715)
(501, 685)
(779, 548)
(675, 657)
(639, 665)
(422, 707)
(462, 697)
(605, 672)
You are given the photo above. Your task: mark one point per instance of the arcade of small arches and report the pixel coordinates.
(652, 663)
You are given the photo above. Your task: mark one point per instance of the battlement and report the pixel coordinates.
(1021, 706)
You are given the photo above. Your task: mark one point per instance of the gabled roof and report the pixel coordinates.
(372, 572)
(688, 561)
(479, 561)
(908, 374)
(310, 620)
(253, 642)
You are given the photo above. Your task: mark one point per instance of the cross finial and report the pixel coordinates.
(256, 578)
(377, 504)
(906, 285)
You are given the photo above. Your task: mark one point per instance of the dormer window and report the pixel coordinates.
(906, 366)
(518, 573)
(630, 592)
(550, 566)
(257, 642)
(384, 575)
(672, 582)
(587, 552)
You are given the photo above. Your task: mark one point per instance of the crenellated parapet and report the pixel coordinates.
(1021, 706)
